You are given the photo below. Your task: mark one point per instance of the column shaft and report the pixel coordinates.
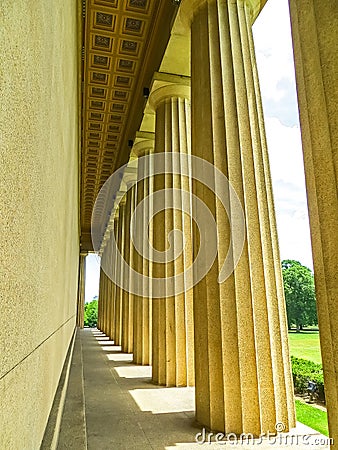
(243, 376)
(314, 31)
(81, 291)
(118, 289)
(100, 304)
(128, 297)
(110, 287)
(172, 315)
(142, 304)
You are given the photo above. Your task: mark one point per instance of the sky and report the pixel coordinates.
(272, 37)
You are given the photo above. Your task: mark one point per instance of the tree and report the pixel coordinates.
(300, 295)
(90, 313)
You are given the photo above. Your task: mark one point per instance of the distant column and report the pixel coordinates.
(114, 267)
(173, 345)
(129, 177)
(315, 33)
(81, 291)
(103, 294)
(142, 304)
(118, 289)
(110, 285)
(100, 303)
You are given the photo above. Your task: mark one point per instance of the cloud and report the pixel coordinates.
(273, 43)
(287, 171)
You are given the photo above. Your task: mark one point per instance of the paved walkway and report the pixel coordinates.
(112, 404)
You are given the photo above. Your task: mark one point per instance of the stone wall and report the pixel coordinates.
(39, 243)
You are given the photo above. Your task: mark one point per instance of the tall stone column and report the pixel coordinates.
(130, 177)
(114, 232)
(142, 304)
(109, 283)
(100, 303)
(314, 31)
(172, 315)
(81, 291)
(103, 295)
(243, 374)
(106, 298)
(118, 289)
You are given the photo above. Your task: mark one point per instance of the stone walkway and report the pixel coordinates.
(111, 404)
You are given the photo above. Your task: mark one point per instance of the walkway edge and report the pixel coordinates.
(51, 436)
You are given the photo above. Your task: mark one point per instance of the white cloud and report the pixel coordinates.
(286, 160)
(273, 44)
(272, 36)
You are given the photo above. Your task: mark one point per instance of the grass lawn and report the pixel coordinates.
(305, 345)
(312, 417)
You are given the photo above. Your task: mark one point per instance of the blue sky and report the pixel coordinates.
(272, 38)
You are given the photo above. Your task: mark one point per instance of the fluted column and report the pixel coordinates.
(172, 314)
(103, 294)
(106, 264)
(100, 303)
(142, 303)
(243, 375)
(81, 290)
(110, 285)
(118, 289)
(107, 290)
(314, 31)
(130, 176)
(114, 267)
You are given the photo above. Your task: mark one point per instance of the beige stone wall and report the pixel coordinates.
(38, 209)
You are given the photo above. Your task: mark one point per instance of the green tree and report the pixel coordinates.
(300, 295)
(90, 313)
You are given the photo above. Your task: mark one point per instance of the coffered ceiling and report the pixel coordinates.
(124, 41)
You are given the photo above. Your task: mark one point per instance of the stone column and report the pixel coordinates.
(118, 289)
(314, 31)
(243, 374)
(106, 257)
(106, 293)
(81, 291)
(142, 303)
(114, 268)
(130, 177)
(100, 304)
(172, 315)
(103, 294)
(110, 286)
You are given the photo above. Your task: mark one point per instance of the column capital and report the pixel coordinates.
(143, 146)
(168, 91)
(189, 7)
(130, 174)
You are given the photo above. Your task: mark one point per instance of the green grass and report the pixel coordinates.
(305, 345)
(312, 417)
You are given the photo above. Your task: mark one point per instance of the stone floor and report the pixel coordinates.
(112, 404)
